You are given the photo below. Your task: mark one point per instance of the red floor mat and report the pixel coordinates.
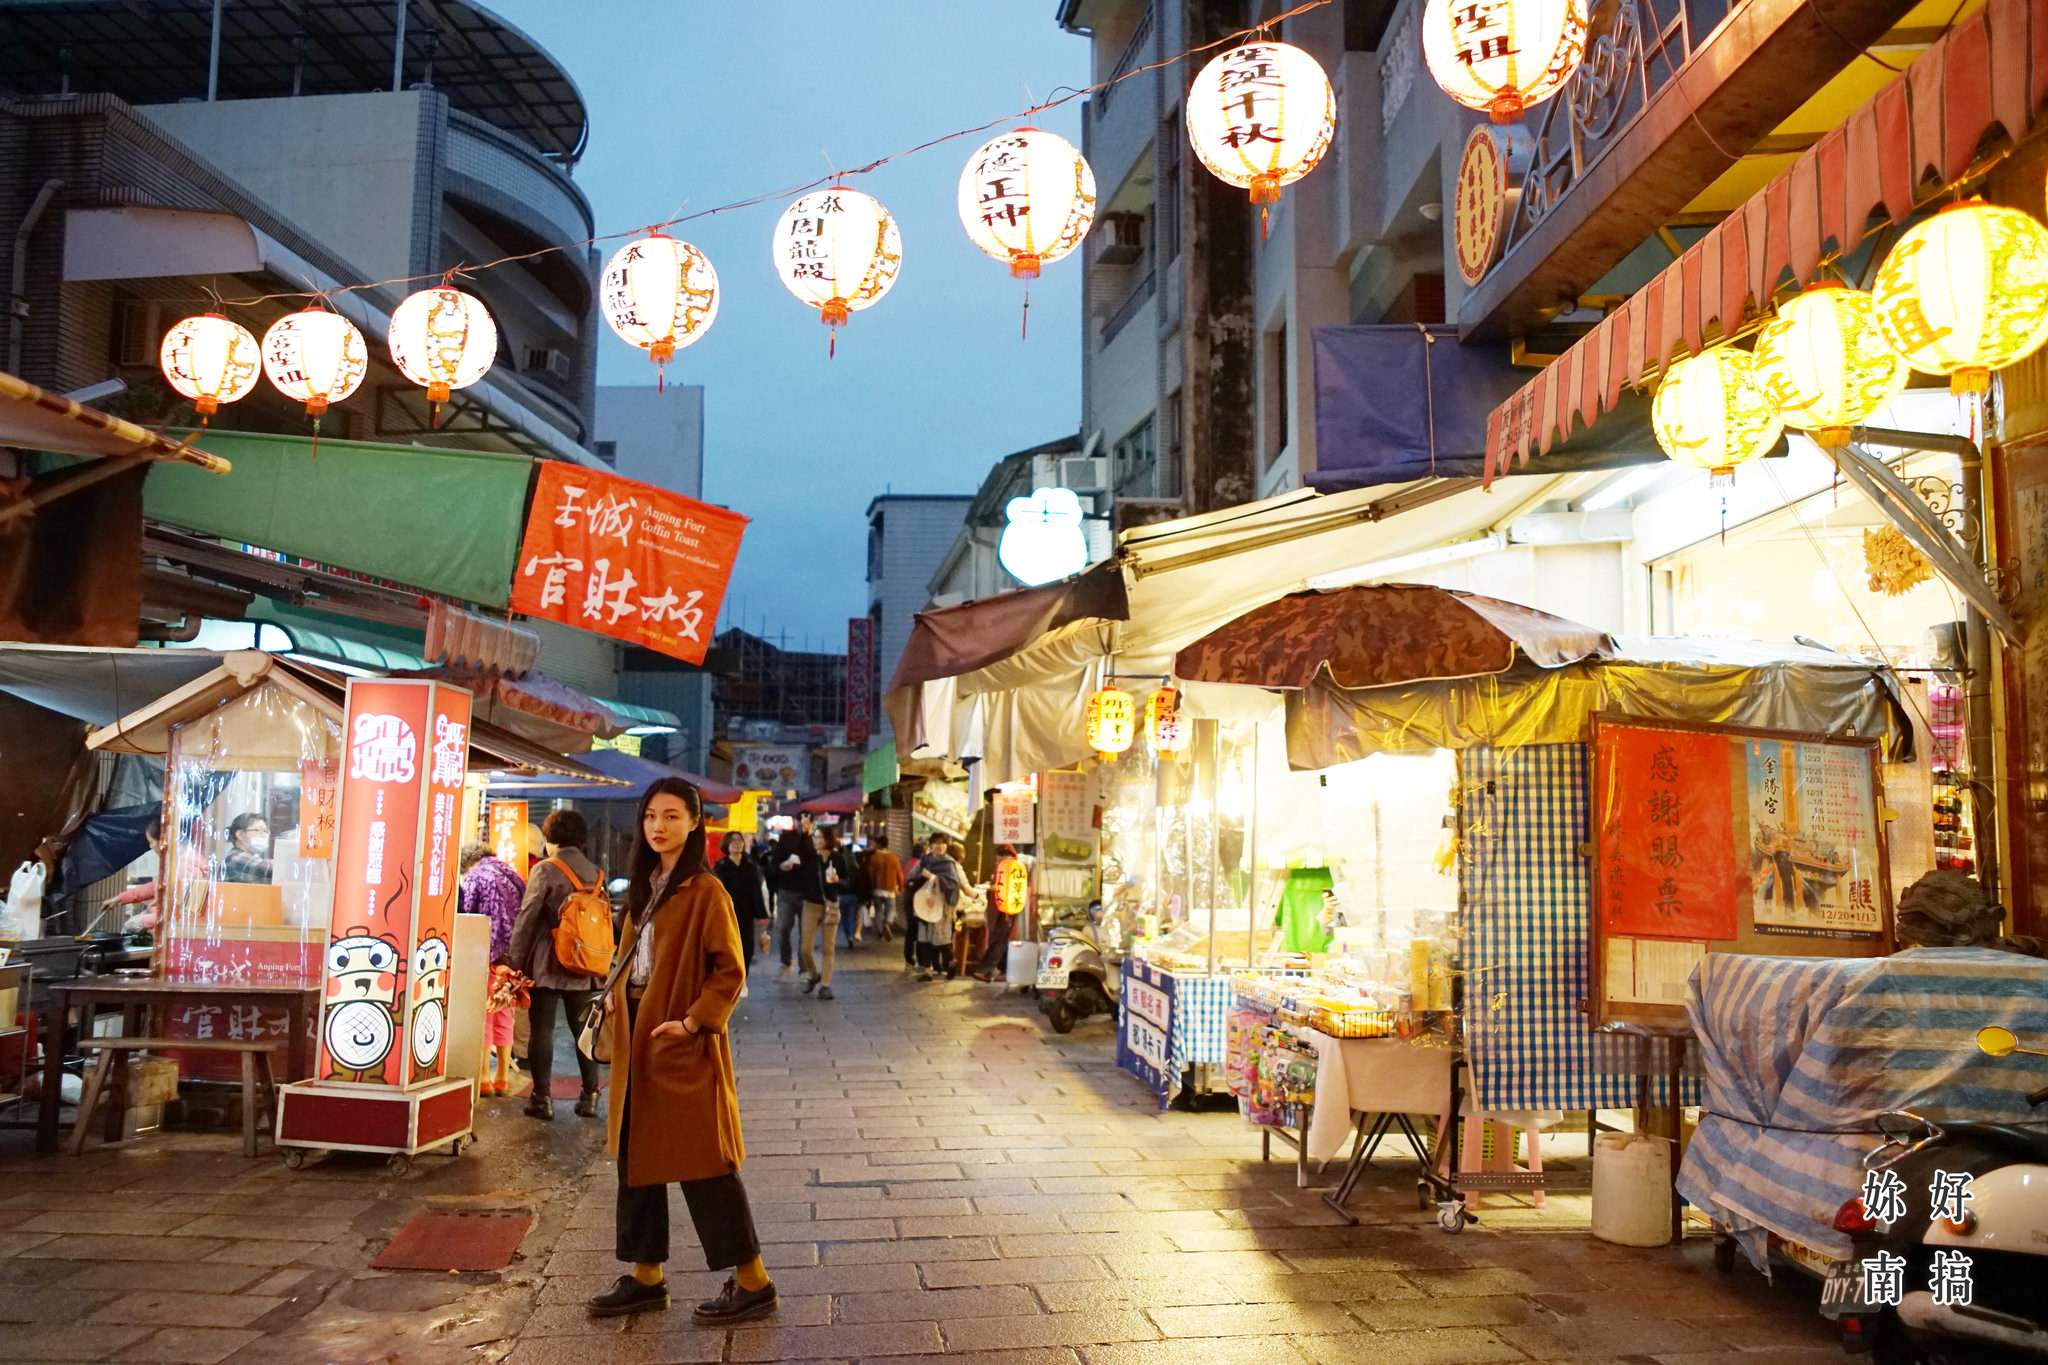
(482, 1240)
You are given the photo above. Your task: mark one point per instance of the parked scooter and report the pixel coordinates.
(1078, 979)
(1999, 1243)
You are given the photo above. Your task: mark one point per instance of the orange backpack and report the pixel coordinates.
(583, 933)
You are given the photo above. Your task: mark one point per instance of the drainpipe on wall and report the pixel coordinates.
(17, 301)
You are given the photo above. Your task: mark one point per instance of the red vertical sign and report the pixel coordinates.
(860, 679)
(426, 1027)
(1666, 833)
(376, 972)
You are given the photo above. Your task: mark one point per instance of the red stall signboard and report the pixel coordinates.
(386, 987)
(317, 778)
(625, 559)
(1666, 834)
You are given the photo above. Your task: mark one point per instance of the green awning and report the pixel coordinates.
(636, 716)
(879, 769)
(445, 521)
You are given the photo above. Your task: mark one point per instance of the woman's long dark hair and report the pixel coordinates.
(646, 862)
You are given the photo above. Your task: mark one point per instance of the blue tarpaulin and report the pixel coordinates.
(1399, 403)
(1803, 1054)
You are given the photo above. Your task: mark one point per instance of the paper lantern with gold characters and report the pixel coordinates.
(1711, 413)
(1824, 364)
(1502, 56)
(661, 295)
(1965, 292)
(1027, 198)
(1111, 721)
(1261, 116)
(838, 251)
(1165, 727)
(210, 359)
(443, 339)
(315, 357)
(1013, 887)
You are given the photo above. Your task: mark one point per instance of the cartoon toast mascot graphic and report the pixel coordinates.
(429, 999)
(362, 989)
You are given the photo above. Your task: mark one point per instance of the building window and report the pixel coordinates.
(1135, 466)
(1365, 23)
(875, 549)
(608, 451)
(134, 340)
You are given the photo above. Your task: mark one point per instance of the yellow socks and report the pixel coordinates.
(753, 1276)
(648, 1272)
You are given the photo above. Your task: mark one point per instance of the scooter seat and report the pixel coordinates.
(2026, 1143)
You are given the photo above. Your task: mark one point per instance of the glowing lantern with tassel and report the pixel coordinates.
(210, 359)
(1111, 722)
(839, 251)
(1261, 116)
(1824, 364)
(1027, 198)
(1503, 56)
(443, 339)
(1966, 292)
(1165, 726)
(1711, 413)
(661, 295)
(1013, 887)
(315, 357)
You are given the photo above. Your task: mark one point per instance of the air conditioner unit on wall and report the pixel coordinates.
(1121, 239)
(1084, 473)
(548, 361)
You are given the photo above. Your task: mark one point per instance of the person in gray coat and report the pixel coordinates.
(548, 888)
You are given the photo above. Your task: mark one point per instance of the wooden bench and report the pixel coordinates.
(114, 1052)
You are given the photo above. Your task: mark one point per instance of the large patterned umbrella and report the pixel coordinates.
(1373, 636)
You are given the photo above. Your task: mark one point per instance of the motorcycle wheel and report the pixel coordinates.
(1061, 1015)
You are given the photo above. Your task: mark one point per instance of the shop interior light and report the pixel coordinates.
(1626, 485)
(1381, 569)
(651, 730)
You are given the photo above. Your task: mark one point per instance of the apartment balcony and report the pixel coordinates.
(506, 176)
(1120, 119)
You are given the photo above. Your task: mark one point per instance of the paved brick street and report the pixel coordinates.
(933, 1171)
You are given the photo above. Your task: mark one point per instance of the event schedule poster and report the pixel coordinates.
(1812, 852)
(1666, 834)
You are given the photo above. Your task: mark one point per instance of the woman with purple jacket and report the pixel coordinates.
(489, 887)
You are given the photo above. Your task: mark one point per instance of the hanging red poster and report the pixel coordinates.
(317, 779)
(1666, 834)
(626, 559)
(434, 927)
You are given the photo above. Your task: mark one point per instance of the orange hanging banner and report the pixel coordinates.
(317, 800)
(626, 559)
(508, 834)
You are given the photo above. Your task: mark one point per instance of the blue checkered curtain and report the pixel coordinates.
(1525, 898)
(1201, 1005)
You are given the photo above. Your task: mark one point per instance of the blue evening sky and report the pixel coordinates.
(695, 104)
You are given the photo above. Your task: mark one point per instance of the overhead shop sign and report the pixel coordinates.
(625, 559)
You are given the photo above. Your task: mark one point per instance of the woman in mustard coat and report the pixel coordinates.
(674, 1112)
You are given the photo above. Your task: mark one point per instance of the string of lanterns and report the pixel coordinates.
(1962, 293)
(1260, 116)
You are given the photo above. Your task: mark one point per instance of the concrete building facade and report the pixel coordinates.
(909, 536)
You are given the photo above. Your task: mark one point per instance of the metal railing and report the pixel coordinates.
(1125, 311)
(1644, 47)
(1127, 60)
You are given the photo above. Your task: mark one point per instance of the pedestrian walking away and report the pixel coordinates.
(885, 885)
(914, 876)
(490, 887)
(565, 872)
(675, 1111)
(820, 933)
(849, 884)
(742, 883)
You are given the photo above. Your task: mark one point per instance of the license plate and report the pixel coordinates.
(1841, 1293)
(1052, 980)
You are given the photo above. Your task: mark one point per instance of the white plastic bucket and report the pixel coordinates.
(1022, 968)
(1632, 1189)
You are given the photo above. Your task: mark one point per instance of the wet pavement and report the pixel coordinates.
(933, 1173)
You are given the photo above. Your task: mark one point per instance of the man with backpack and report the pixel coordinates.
(563, 941)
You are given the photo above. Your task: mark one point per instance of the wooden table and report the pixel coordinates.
(134, 995)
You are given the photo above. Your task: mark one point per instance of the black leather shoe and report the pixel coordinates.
(735, 1304)
(586, 1107)
(540, 1107)
(628, 1295)
(810, 984)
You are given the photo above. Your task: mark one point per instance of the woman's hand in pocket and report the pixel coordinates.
(671, 1028)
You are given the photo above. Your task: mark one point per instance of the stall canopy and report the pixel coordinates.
(146, 729)
(1721, 682)
(444, 521)
(618, 776)
(845, 801)
(98, 686)
(1017, 703)
(1372, 636)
